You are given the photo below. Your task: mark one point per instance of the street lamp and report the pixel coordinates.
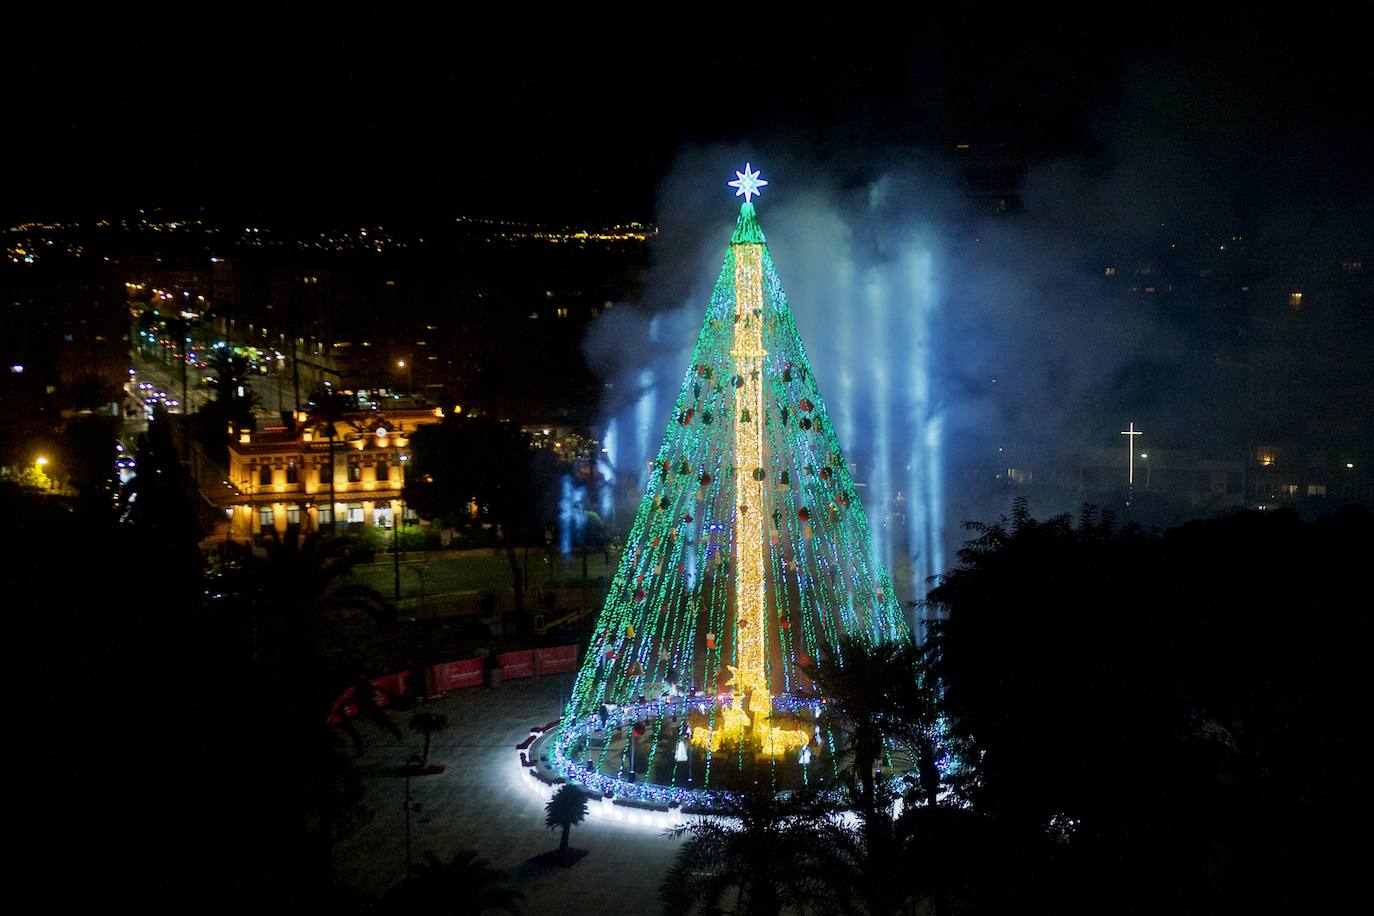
(410, 385)
(412, 766)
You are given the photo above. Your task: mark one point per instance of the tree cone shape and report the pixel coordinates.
(727, 577)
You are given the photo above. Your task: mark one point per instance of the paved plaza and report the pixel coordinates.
(481, 802)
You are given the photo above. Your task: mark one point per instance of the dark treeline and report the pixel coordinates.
(1165, 722)
(1146, 722)
(1131, 722)
(172, 750)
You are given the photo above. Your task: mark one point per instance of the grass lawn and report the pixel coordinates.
(471, 572)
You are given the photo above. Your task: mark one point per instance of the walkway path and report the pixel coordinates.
(481, 802)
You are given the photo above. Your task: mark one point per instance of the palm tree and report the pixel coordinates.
(933, 859)
(466, 884)
(310, 634)
(773, 853)
(328, 408)
(878, 693)
(567, 807)
(427, 723)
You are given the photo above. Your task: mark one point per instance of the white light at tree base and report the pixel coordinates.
(747, 183)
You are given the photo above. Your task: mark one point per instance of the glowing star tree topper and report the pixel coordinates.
(747, 183)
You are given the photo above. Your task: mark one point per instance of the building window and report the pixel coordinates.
(266, 518)
(355, 473)
(1316, 489)
(291, 472)
(1290, 489)
(409, 514)
(293, 516)
(383, 471)
(561, 312)
(265, 475)
(326, 515)
(327, 472)
(355, 513)
(1295, 299)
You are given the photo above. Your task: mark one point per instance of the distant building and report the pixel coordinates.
(279, 478)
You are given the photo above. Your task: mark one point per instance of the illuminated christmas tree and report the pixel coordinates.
(750, 551)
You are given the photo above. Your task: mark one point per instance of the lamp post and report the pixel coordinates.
(396, 529)
(412, 765)
(410, 384)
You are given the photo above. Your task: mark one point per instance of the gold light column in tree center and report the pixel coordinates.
(750, 676)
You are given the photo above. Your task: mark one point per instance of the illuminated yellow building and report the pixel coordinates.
(279, 478)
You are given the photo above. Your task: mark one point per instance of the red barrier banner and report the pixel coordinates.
(516, 664)
(344, 707)
(555, 660)
(390, 687)
(454, 675)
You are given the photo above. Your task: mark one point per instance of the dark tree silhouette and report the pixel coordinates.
(307, 633)
(232, 405)
(1171, 712)
(466, 885)
(767, 853)
(159, 509)
(326, 409)
(467, 460)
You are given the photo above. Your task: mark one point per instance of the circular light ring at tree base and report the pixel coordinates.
(557, 751)
(564, 743)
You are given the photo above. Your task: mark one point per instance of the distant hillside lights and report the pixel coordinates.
(505, 231)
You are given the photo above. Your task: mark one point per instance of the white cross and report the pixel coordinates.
(1130, 433)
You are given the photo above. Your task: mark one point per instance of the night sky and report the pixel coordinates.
(258, 110)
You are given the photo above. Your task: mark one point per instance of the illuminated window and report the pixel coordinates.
(1018, 475)
(266, 518)
(562, 312)
(293, 516)
(1267, 458)
(265, 475)
(1110, 272)
(1295, 299)
(1290, 489)
(355, 513)
(1316, 489)
(355, 473)
(291, 475)
(326, 515)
